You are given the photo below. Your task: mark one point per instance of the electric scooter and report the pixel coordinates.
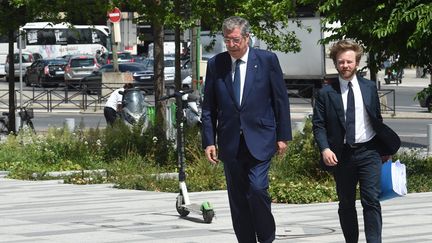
(183, 203)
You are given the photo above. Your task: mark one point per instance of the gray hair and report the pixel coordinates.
(234, 22)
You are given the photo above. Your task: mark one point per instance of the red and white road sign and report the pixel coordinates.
(115, 15)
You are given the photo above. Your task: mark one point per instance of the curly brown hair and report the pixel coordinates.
(345, 45)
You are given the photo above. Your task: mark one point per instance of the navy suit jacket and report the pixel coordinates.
(263, 116)
(329, 117)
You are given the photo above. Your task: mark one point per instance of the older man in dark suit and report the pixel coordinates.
(348, 129)
(246, 113)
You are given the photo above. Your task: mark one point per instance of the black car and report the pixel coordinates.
(142, 77)
(45, 72)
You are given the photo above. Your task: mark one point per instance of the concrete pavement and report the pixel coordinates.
(50, 211)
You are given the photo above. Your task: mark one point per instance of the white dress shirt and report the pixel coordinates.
(363, 127)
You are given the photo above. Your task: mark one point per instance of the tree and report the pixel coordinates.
(14, 14)
(397, 27)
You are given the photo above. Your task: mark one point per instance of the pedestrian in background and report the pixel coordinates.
(246, 114)
(346, 120)
(114, 104)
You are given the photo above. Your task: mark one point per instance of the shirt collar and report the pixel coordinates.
(344, 82)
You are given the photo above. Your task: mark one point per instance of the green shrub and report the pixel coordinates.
(135, 159)
(296, 176)
(302, 191)
(200, 174)
(301, 158)
(122, 141)
(58, 150)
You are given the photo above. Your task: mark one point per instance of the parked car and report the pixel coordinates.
(67, 57)
(142, 77)
(45, 72)
(122, 56)
(169, 69)
(26, 60)
(78, 67)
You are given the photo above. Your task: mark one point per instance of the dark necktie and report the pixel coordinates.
(350, 116)
(236, 83)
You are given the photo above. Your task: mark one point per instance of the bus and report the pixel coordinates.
(59, 40)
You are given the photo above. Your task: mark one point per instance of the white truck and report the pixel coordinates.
(311, 67)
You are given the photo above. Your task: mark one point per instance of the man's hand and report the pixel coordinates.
(281, 147)
(211, 154)
(329, 157)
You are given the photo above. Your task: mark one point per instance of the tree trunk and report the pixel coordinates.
(162, 145)
(159, 83)
(373, 68)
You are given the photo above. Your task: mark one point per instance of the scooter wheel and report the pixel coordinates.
(207, 211)
(208, 216)
(180, 209)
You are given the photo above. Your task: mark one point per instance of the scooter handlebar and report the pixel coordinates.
(176, 94)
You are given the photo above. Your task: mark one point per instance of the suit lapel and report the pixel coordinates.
(336, 99)
(227, 69)
(252, 68)
(366, 94)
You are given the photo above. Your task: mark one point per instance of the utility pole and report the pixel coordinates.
(196, 55)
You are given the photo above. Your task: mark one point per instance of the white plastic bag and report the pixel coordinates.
(393, 180)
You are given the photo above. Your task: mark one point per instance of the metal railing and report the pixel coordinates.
(384, 95)
(65, 97)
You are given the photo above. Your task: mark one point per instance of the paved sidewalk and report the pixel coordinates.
(49, 211)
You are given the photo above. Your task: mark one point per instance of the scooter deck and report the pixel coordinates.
(193, 207)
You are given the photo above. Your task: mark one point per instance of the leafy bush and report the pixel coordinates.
(301, 159)
(296, 176)
(58, 150)
(302, 191)
(200, 174)
(122, 141)
(135, 159)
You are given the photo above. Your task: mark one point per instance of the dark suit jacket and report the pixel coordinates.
(263, 116)
(329, 118)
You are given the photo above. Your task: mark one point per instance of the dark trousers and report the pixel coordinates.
(250, 204)
(110, 115)
(361, 166)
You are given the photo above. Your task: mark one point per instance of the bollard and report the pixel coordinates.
(17, 121)
(429, 134)
(70, 124)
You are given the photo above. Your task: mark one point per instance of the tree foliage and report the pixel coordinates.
(385, 27)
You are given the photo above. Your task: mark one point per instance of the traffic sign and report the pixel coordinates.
(115, 15)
